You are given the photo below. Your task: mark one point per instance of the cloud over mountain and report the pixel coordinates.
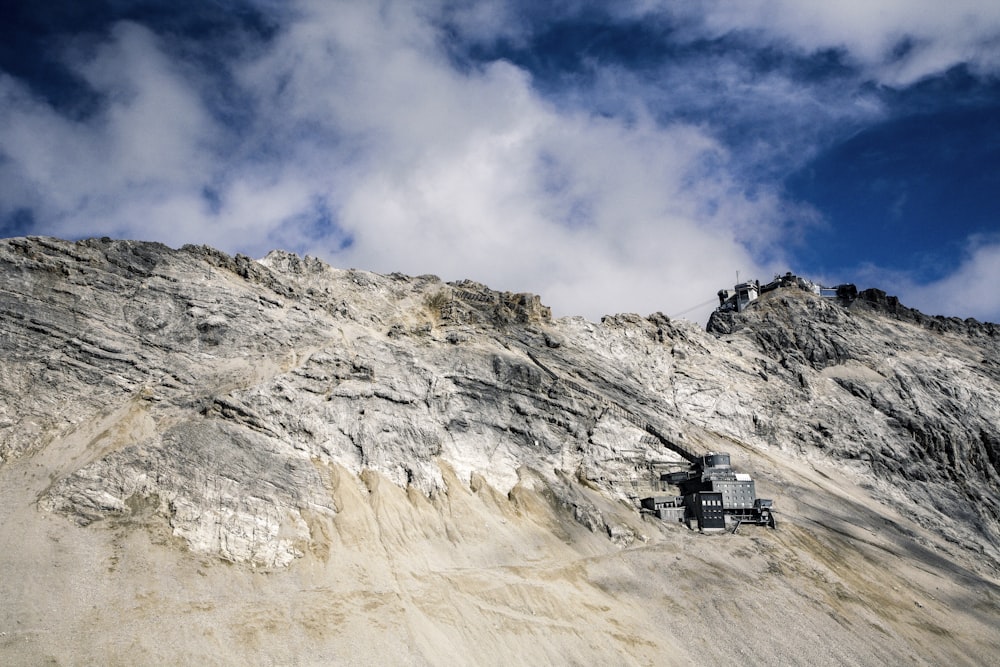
(631, 158)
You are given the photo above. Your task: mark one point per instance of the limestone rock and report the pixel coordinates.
(282, 414)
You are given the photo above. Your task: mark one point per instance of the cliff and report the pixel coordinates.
(207, 458)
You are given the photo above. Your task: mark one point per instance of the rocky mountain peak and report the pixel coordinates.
(407, 441)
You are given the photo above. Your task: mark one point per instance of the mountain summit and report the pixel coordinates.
(215, 459)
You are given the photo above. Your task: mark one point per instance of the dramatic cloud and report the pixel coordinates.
(472, 173)
(630, 158)
(897, 41)
(129, 167)
(368, 148)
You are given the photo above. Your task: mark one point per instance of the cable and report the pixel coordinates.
(700, 305)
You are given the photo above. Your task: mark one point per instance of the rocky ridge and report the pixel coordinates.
(915, 401)
(277, 414)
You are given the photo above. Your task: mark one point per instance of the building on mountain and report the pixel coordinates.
(741, 296)
(745, 293)
(712, 494)
(666, 508)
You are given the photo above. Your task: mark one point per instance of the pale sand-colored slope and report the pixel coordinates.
(394, 578)
(472, 576)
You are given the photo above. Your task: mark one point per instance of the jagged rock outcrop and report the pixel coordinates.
(249, 374)
(917, 397)
(386, 438)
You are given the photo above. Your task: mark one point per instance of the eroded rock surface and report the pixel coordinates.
(280, 412)
(915, 398)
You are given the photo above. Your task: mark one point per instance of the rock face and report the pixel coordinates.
(916, 398)
(401, 443)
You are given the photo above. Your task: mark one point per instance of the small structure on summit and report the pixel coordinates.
(745, 293)
(741, 296)
(712, 494)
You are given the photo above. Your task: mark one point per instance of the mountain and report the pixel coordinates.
(216, 460)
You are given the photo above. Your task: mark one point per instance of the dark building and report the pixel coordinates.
(707, 508)
(714, 494)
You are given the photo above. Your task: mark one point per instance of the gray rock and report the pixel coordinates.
(240, 377)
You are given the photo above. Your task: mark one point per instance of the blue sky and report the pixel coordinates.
(629, 156)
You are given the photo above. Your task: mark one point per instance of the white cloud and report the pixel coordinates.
(897, 41)
(147, 144)
(472, 174)
(355, 109)
(970, 291)
(154, 127)
(140, 166)
(360, 127)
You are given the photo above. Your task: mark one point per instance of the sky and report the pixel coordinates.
(634, 156)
